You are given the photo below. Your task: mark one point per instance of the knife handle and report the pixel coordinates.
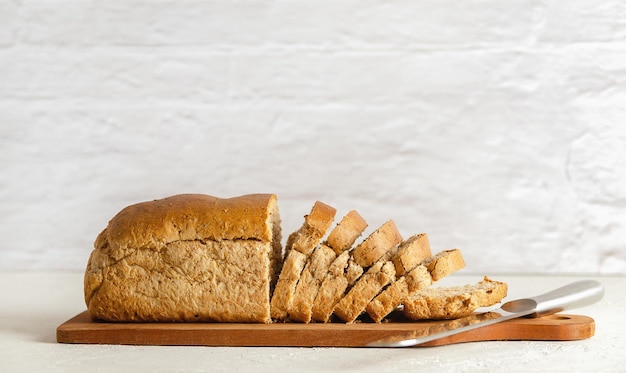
(574, 295)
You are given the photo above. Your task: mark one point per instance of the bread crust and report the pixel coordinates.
(343, 236)
(411, 252)
(155, 223)
(444, 263)
(377, 244)
(315, 226)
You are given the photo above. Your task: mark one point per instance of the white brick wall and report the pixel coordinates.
(494, 126)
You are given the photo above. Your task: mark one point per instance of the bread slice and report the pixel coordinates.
(315, 226)
(343, 236)
(412, 252)
(340, 239)
(345, 271)
(353, 303)
(187, 257)
(300, 245)
(432, 269)
(377, 244)
(444, 263)
(331, 289)
(454, 302)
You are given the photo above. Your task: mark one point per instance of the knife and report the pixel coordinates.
(576, 294)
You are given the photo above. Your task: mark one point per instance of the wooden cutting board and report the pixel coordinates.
(81, 329)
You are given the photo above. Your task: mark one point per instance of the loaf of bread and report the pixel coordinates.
(187, 258)
(198, 258)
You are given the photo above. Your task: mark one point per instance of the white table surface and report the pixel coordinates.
(33, 304)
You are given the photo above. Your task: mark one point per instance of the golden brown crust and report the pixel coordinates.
(155, 223)
(315, 226)
(411, 252)
(444, 263)
(321, 216)
(346, 232)
(453, 302)
(377, 244)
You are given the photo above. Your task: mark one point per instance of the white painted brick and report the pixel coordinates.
(503, 198)
(111, 75)
(8, 15)
(324, 23)
(582, 21)
(307, 78)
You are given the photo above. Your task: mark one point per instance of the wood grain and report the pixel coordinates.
(81, 329)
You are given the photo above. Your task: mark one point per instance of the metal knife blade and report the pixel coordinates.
(576, 294)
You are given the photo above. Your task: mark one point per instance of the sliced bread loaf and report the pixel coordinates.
(300, 244)
(411, 252)
(340, 239)
(453, 302)
(201, 258)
